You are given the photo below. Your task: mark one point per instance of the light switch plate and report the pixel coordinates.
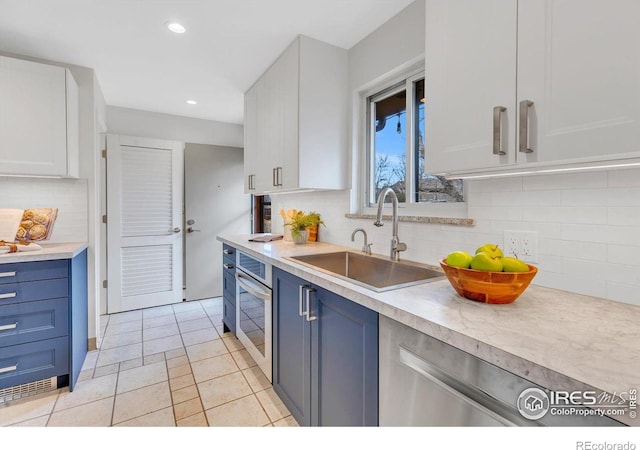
(521, 244)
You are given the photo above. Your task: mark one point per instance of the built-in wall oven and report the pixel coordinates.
(253, 309)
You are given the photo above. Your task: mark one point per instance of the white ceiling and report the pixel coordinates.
(141, 64)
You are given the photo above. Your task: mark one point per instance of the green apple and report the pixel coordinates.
(491, 249)
(484, 261)
(510, 264)
(459, 259)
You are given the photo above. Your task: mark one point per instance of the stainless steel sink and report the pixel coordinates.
(371, 272)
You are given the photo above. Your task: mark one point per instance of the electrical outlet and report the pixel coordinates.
(521, 244)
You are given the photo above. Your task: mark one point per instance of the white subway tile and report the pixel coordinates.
(549, 263)
(565, 181)
(495, 212)
(606, 234)
(621, 292)
(624, 215)
(626, 177)
(546, 230)
(496, 184)
(602, 197)
(529, 198)
(566, 214)
(581, 285)
(623, 254)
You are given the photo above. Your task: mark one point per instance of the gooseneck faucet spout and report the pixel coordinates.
(366, 247)
(396, 245)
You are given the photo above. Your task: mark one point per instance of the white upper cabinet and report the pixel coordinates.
(38, 119)
(549, 83)
(296, 121)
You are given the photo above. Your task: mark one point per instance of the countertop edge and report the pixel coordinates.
(53, 251)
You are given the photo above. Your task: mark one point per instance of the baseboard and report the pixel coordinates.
(92, 344)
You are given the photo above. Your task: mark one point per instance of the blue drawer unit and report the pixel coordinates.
(43, 321)
(229, 288)
(33, 321)
(24, 363)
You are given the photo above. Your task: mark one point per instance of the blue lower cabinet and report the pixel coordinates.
(24, 363)
(325, 367)
(229, 315)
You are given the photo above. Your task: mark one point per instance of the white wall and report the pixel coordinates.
(588, 223)
(133, 122)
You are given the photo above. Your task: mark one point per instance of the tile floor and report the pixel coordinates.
(165, 366)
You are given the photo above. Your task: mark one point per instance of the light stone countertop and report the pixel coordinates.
(65, 250)
(557, 339)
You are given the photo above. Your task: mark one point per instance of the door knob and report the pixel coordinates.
(191, 230)
(176, 230)
(190, 222)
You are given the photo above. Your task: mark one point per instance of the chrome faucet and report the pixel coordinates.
(396, 245)
(366, 247)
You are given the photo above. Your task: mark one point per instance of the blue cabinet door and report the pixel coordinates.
(345, 359)
(291, 347)
(78, 316)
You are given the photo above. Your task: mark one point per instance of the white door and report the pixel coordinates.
(470, 69)
(214, 204)
(579, 63)
(144, 211)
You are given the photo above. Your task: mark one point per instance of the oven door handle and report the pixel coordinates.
(252, 287)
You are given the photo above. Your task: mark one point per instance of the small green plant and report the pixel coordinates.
(301, 221)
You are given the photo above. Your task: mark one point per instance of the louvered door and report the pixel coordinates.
(144, 210)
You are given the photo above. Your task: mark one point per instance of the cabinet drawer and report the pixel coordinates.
(229, 286)
(32, 271)
(34, 361)
(33, 321)
(34, 290)
(229, 315)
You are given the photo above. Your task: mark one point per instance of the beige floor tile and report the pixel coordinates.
(129, 380)
(213, 308)
(179, 371)
(191, 315)
(106, 370)
(159, 321)
(87, 392)
(104, 320)
(272, 404)
(161, 345)
(192, 325)
(243, 412)
(157, 311)
(27, 408)
(90, 360)
(37, 422)
(215, 367)
(256, 379)
(160, 332)
(182, 382)
(94, 414)
(85, 375)
(118, 340)
(188, 408)
(125, 327)
(199, 336)
(243, 359)
(118, 354)
(161, 418)
(223, 389)
(223, 334)
(171, 354)
(176, 362)
(216, 301)
(131, 364)
(186, 306)
(232, 343)
(216, 320)
(206, 350)
(198, 420)
(288, 421)
(141, 401)
(128, 316)
(152, 359)
(184, 394)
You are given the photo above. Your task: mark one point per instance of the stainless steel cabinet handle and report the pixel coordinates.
(308, 301)
(523, 128)
(274, 176)
(279, 176)
(300, 290)
(9, 295)
(9, 369)
(8, 327)
(226, 251)
(7, 274)
(497, 130)
(228, 266)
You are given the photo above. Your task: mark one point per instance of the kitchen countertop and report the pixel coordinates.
(64, 250)
(557, 339)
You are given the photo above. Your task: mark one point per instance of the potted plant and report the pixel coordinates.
(300, 222)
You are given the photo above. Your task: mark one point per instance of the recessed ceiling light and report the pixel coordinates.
(192, 102)
(176, 27)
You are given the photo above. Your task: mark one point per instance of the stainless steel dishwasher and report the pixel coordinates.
(425, 382)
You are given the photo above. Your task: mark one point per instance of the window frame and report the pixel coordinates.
(380, 90)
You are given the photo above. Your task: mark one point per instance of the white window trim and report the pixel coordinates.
(361, 160)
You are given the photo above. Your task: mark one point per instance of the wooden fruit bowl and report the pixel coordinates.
(488, 287)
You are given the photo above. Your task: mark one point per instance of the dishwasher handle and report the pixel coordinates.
(253, 287)
(482, 401)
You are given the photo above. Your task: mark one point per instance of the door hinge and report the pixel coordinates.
(104, 218)
(104, 154)
(104, 284)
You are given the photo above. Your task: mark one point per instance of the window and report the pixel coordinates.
(395, 147)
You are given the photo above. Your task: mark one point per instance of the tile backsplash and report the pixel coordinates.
(69, 196)
(588, 227)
